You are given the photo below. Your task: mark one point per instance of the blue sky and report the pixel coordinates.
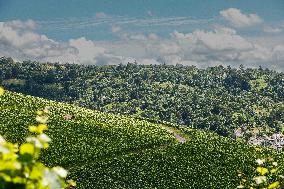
(62, 9)
(66, 10)
(126, 30)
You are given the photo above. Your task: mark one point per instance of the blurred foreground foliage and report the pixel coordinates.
(19, 165)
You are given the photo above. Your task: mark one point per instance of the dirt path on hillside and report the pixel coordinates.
(180, 138)
(172, 131)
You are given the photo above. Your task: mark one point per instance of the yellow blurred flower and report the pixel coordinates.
(273, 185)
(41, 128)
(2, 91)
(262, 170)
(27, 149)
(33, 129)
(71, 183)
(45, 145)
(38, 129)
(39, 112)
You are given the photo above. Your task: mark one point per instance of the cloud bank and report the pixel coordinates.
(221, 45)
(239, 19)
(270, 29)
(19, 41)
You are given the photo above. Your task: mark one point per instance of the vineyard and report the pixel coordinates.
(102, 150)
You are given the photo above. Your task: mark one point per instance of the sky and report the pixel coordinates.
(190, 32)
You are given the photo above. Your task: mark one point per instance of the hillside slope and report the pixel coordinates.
(113, 151)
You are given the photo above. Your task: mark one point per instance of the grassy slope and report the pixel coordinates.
(107, 151)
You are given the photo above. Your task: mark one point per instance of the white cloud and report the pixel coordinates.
(17, 24)
(200, 47)
(149, 61)
(225, 46)
(87, 50)
(257, 54)
(115, 29)
(270, 29)
(278, 52)
(101, 15)
(239, 19)
(102, 19)
(222, 39)
(22, 42)
(268, 40)
(222, 44)
(168, 48)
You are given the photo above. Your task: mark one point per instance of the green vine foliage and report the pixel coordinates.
(20, 167)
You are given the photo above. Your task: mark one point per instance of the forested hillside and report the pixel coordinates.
(220, 99)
